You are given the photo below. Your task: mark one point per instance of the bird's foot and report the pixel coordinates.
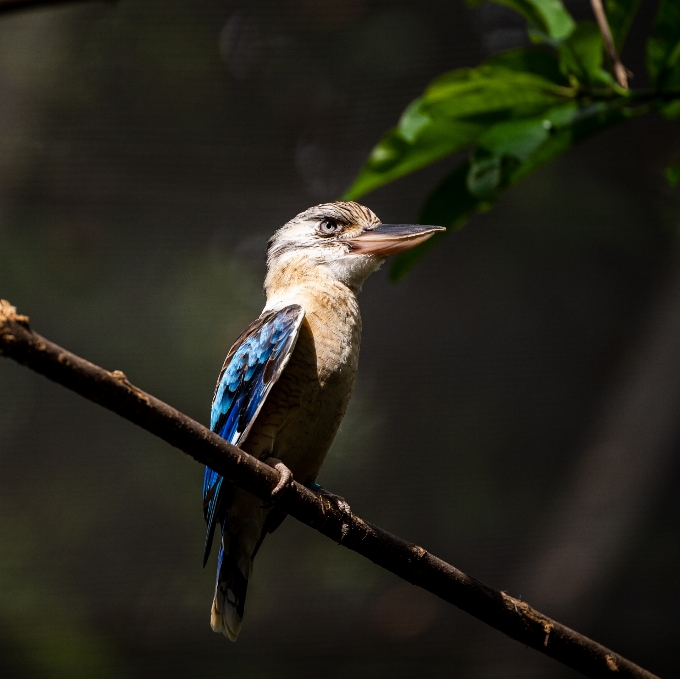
(340, 503)
(285, 479)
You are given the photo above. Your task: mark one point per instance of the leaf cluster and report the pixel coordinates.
(521, 109)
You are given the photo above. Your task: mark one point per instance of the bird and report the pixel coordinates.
(287, 380)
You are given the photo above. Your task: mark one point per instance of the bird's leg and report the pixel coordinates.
(341, 504)
(285, 478)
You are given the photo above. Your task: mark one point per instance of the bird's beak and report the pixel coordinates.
(391, 239)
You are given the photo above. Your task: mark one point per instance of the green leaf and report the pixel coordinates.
(491, 90)
(663, 51)
(547, 18)
(582, 54)
(506, 153)
(572, 125)
(410, 147)
(509, 150)
(500, 151)
(454, 110)
(620, 14)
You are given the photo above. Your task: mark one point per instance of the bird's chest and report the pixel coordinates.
(306, 405)
(330, 339)
(323, 366)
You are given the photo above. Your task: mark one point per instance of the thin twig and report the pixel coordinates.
(112, 390)
(620, 71)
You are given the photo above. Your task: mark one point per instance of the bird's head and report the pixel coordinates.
(345, 241)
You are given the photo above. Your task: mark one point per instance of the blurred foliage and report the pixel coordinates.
(547, 19)
(521, 109)
(673, 173)
(620, 14)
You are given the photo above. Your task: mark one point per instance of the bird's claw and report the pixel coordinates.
(341, 504)
(285, 478)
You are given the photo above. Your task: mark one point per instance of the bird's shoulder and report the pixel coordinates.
(254, 363)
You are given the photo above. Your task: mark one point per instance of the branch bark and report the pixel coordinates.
(411, 562)
(620, 71)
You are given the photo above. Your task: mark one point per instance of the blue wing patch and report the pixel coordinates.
(250, 370)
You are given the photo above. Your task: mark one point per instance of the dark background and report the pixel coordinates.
(516, 411)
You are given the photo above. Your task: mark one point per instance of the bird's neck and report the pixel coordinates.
(331, 315)
(314, 289)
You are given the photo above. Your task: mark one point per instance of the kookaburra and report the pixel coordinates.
(288, 378)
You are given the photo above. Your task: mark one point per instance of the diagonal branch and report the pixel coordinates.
(620, 71)
(112, 390)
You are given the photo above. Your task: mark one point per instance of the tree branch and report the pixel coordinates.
(112, 390)
(620, 71)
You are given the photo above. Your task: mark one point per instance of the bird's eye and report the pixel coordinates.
(329, 227)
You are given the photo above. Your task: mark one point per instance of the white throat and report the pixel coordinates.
(297, 281)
